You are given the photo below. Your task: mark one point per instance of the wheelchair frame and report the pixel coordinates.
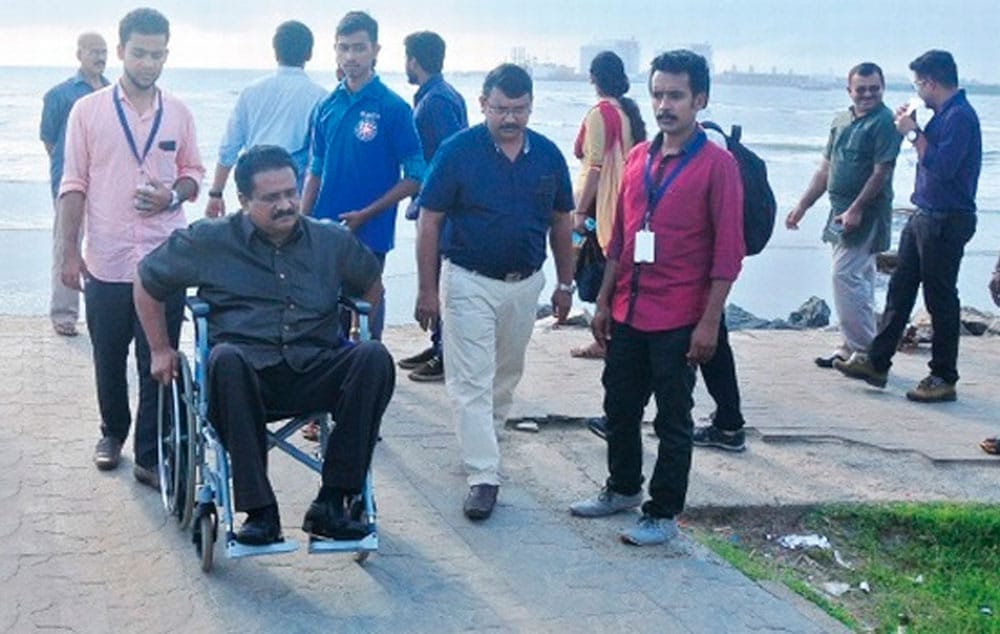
(194, 467)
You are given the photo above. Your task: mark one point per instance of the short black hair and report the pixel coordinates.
(293, 43)
(260, 158)
(356, 21)
(512, 80)
(683, 61)
(144, 21)
(867, 69)
(427, 48)
(938, 66)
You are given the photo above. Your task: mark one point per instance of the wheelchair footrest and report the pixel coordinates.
(234, 549)
(368, 543)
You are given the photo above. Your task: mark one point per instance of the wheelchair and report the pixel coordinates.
(194, 470)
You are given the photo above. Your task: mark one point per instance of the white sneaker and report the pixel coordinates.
(606, 503)
(650, 531)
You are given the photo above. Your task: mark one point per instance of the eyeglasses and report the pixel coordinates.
(518, 112)
(872, 90)
(918, 83)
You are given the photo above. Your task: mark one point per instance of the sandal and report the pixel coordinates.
(591, 351)
(991, 446)
(65, 329)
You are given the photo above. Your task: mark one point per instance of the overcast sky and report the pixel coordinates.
(817, 36)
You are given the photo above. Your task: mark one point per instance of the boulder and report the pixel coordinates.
(814, 313)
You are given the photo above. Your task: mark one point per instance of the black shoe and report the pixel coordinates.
(331, 521)
(598, 425)
(827, 362)
(262, 527)
(430, 372)
(712, 436)
(417, 360)
(147, 476)
(480, 501)
(108, 453)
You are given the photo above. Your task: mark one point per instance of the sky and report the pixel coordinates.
(821, 37)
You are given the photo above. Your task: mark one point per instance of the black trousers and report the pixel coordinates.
(930, 252)
(113, 326)
(354, 385)
(639, 364)
(719, 374)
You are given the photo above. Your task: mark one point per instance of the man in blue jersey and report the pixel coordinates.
(273, 110)
(92, 51)
(366, 153)
(438, 112)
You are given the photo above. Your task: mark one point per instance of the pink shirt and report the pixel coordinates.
(698, 224)
(100, 164)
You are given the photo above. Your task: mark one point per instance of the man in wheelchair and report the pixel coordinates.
(272, 279)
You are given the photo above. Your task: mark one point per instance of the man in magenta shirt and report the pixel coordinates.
(131, 160)
(676, 248)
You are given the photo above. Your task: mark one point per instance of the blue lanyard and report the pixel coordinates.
(654, 195)
(128, 131)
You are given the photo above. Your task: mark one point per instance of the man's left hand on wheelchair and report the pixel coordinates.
(163, 365)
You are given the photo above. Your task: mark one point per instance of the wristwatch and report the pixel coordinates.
(568, 288)
(175, 200)
(913, 135)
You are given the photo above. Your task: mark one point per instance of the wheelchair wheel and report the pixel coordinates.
(177, 437)
(204, 537)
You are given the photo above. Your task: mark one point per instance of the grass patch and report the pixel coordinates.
(936, 563)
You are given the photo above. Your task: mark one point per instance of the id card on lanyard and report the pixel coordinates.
(157, 118)
(645, 238)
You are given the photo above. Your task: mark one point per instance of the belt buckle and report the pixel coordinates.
(513, 277)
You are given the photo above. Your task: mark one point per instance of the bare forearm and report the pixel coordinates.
(561, 243)
(817, 187)
(70, 220)
(428, 237)
(309, 190)
(872, 186)
(221, 177)
(186, 188)
(588, 194)
(717, 294)
(403, 189)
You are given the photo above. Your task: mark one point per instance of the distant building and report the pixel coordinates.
(628, 50)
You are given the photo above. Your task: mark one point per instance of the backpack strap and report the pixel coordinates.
(736, 133)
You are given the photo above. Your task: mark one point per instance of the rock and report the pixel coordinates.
(543, 311)
(814, 313)
(740, 319)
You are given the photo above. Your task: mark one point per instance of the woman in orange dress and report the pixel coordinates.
(608, 132)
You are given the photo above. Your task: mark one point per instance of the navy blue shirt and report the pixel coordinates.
(497, 211)
(57, 103)
(438, 112)
(948, 174)
(363, 144)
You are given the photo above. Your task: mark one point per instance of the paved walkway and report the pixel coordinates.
(88, 551)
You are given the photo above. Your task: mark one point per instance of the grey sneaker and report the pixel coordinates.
(932, 389)
(606, 503)
(712, 436)
(650, 531)
(859, 366)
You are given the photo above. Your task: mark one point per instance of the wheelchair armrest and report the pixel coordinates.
(197, 306)
(356, 304)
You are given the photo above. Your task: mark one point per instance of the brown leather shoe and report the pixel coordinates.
(480, 501)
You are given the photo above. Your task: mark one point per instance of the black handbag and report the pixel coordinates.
(589, 268)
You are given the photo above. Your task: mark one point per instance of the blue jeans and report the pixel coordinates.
(113, 325)
(640, 364)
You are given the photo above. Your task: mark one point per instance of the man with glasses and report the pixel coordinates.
(949, 158)
(92, 52)
(493, 194)
(856, 170)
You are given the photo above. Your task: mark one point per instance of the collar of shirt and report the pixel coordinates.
(524, 149)
(373, 89)
(956, 99)
(79, 78)
(428, 85)
(693, 143)
(290, 70)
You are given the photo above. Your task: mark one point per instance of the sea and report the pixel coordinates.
(786, 126)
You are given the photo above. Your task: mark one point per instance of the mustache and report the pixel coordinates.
(278, 214)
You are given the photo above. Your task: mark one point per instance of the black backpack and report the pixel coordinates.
(759, 206)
